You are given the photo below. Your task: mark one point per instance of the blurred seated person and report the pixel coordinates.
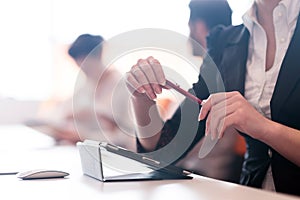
(99, 107)
(204, 16)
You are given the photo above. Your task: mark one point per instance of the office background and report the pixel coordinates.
(35, 36)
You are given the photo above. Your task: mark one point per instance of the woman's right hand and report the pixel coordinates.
(146, 77)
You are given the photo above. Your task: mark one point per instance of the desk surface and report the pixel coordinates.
(23, 148)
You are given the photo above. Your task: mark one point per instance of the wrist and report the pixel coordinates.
(141, 98)
(269, 131)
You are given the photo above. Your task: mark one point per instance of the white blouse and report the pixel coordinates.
(259, 85)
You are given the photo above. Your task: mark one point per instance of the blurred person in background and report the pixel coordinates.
(204, 16)
(98, 109)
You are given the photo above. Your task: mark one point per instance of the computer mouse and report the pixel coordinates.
(41, 174)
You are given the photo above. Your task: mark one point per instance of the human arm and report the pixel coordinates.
(145, 80)
(148, 126)
(179, 132)
(229, 110)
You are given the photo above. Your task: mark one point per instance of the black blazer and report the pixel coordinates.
(224, 70)
(228, 47)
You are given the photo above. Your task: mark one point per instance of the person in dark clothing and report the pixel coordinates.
(253, 62)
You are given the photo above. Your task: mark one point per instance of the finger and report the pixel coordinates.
(219, 116)
(143, 81)
(205, 108)
(213, 122)
(145, 66)
(220, 133)
(133, 83)
(157, 69)
(213, 100)
(221, 96)
(207, 125)
(211, 130)
(229, 121)
(232, 98)
(224, 109)
(226, 102)
(215, 119)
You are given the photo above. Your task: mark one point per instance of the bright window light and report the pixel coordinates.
(31, 31)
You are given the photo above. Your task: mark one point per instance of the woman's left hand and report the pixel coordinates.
(229, 110)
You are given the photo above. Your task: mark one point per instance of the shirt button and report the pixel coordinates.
(282, 39)
(270, 153)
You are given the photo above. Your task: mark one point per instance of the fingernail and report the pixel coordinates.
(163, 83)
(200, 115)
(142, 90)
(203, 102)
(152, 96)
(158, 90)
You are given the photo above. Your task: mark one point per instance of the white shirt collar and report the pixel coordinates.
(249, 18)
(292, 8)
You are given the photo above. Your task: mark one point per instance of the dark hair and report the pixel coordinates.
(86, 44)
(212, 12)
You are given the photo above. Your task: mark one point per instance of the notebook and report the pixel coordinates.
(107, 162)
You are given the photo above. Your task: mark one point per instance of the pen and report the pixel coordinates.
(183, 92)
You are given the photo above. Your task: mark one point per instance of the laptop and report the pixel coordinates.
(108, 162)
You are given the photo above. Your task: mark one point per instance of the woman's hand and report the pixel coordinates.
(146, 77)
(229, 110)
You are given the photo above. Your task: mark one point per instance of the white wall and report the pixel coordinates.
(30, 29)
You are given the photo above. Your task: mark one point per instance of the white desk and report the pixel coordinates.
(33, 150)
